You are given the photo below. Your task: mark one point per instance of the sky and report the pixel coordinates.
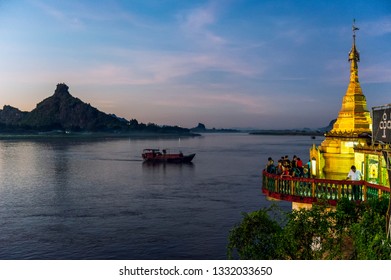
(227, 64)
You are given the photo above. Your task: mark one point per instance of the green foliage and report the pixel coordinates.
(349, 231)
(255, 237)
(369, 233)
(307, 234)
(347, 212)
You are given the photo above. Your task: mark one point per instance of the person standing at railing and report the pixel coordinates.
(355, 175)
(270, 167)
(306, 173)
(299, 164)
(280, 168)
(308, 164)
(294, 162)
(286, 162)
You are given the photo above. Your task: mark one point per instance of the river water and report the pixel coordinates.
(96, 199)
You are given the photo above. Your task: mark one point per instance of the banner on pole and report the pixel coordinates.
(381, 124)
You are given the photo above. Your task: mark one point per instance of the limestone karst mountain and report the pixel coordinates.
(10, 116)
(63, 112)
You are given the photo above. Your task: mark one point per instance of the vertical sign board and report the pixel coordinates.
(381, 125)
(381, 130)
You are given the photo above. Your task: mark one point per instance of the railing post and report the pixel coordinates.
(313, 189)
(339, 191)
(292, 187)
(364, 190)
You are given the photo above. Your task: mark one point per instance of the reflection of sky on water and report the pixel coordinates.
(97, 199)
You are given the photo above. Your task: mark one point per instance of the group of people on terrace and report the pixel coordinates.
(289, 168)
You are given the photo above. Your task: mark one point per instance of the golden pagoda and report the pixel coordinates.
(334, 157)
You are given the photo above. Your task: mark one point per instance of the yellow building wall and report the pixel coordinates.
(335, 156)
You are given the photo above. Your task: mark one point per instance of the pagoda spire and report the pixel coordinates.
(354, 56)
(354, 117)
(337, 153)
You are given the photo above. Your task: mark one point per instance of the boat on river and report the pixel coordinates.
(155, 155)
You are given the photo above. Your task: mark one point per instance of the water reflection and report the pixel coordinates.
(63, 199)
(163, 165)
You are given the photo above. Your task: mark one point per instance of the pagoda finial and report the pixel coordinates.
(354, 56)
(354, 28)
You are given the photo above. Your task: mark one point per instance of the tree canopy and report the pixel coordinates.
(348, 231)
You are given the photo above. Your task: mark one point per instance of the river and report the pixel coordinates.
(96, 199)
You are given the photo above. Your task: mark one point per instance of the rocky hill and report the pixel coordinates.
(303, 131)
(63, 112)
(201, 128)
(11, 116)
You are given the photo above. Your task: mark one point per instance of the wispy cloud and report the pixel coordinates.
(58, 14)
(196, 24)
(79, 14)
(151, 67)
(234, 102)
(376, 73)
(377, 27)
(293, 31)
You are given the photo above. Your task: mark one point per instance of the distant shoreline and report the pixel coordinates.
(94, 135)
(135, 135)
(288, 132)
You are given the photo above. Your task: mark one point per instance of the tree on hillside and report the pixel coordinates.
(349, 231)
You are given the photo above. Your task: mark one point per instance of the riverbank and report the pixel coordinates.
(94, 135)
(288, 132)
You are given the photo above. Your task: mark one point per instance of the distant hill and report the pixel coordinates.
(304, 131)
(63, 112)
(329, 127)
(201, 128)
(10, 116)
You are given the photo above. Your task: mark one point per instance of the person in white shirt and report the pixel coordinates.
(355, 175)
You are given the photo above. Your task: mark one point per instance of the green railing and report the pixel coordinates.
(309, 190)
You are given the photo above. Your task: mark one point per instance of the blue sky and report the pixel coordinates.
(232, 63)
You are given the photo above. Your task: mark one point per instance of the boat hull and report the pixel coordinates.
(155, 156)
(183, 159)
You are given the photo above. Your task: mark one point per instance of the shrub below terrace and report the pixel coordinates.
(349, 231)
(256, 236)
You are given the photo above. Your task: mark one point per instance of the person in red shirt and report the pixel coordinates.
(299, 164)
(285, 172)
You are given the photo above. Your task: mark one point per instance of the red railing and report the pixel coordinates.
(310, 190)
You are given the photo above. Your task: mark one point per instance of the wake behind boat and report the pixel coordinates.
(155, 155)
